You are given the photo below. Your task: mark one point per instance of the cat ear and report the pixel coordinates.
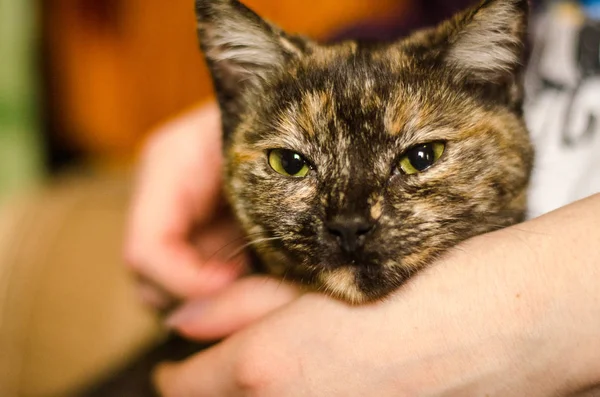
(483, 45)
(486, 43)
(242, 51)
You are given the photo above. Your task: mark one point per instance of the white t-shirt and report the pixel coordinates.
(563, 111)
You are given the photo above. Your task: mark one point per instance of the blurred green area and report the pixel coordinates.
(21, 149)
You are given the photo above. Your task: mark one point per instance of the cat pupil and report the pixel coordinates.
(292, 162)
(422, 157)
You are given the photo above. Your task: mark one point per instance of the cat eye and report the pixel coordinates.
(288, 163)
(421, 157)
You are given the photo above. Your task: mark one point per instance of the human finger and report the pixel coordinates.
(240, 304)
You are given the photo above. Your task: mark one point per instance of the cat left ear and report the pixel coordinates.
(486, 43)
(242, 51)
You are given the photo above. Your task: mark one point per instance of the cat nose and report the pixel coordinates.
(350, 231)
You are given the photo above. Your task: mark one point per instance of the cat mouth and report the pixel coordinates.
(357, 266)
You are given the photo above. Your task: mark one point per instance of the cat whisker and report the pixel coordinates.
(283, 278)
(230, 243)
(457, 248)
(529, 231)
(520, 238)
(239, 263)
(514, 227)
(250, 243)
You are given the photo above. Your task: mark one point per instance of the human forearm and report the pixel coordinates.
(553, 264)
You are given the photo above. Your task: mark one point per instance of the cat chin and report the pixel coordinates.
(358, 285)
(341, 283)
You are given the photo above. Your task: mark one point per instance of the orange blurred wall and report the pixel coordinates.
(117, 68)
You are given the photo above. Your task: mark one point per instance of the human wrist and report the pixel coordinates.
(557, 258)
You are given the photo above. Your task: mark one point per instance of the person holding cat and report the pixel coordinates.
(513, 312)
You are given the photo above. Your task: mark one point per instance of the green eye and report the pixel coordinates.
(288, 163)
(420, 158)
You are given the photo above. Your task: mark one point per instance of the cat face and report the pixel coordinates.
(352, 166)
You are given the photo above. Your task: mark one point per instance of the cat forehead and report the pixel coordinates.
(346, 77)
(363, 78)
(351, 91)
(364, 97)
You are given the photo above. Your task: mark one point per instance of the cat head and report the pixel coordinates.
(353, 165)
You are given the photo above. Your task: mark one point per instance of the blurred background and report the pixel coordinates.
(82, 83)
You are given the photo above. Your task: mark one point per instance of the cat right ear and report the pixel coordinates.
(242, 51)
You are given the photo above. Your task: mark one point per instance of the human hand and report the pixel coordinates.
(513, 313)
(178, 226)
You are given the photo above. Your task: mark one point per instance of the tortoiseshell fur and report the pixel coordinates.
(352, 109)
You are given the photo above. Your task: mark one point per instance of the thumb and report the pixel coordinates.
(240, 304)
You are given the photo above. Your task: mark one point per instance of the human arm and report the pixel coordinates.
(512, 313)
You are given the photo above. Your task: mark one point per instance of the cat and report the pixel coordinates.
(352, 166)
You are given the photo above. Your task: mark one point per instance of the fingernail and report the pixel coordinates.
(187, 313)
